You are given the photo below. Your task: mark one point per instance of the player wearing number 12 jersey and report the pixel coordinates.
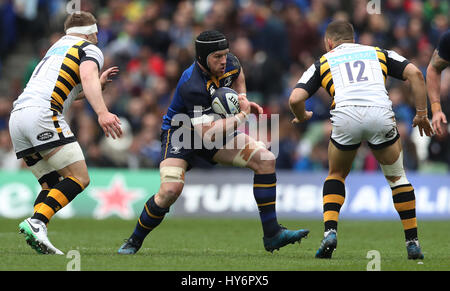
(355, 75)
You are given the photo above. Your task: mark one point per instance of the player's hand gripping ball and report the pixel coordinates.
(225, 102)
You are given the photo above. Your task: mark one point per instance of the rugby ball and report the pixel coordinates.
(225, 102)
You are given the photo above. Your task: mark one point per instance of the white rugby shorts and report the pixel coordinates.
(354, 124)
(35, 129)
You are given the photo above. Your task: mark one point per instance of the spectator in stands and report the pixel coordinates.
(150, 40)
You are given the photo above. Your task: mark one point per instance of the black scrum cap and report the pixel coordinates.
(208, 42)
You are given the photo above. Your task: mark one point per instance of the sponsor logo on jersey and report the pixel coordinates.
(391, 133)
(227, 82)
(175, 150)
(46, 135)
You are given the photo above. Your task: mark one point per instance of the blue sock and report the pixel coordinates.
(151, 216)
(264, 191)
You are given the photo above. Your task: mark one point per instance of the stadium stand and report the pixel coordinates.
(151, 42)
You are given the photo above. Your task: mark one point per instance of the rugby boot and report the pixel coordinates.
(328, 245)
(130, 247)
(414, 251)
(284, 237)
(35, 232)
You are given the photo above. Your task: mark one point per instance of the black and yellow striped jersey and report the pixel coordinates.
(55, 82)
(354, 74)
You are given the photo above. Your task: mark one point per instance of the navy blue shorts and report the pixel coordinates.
(198, 158)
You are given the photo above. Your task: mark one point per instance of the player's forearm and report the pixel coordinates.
(418, 88)
(433, 88)
(93, 92)
(81, 95)
(419, 92)
(297, 102)
(298, 109)
(224, 126)
(92, 86)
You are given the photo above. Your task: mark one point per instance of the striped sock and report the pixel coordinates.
(151, 216)
(333, 199)
(58, 197)
(264, 191)
(40, 199)
(51, 179)
(405, 204)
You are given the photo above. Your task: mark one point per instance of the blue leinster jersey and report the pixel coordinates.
(195, 88)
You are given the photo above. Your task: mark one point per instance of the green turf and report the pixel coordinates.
(223, 244)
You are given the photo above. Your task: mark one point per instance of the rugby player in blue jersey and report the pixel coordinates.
(214, 67)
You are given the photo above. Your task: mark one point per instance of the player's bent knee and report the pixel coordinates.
(267, 161)
(263, 163)
(169, 193)
(172, 182)
(40, 169)
(395, 173)
(244, 157)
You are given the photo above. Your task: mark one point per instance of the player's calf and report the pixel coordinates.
(404, 200)
(151, 216)
(333, 198)
(264, 185)
(47, 182)
(155, 209)
(57, 198)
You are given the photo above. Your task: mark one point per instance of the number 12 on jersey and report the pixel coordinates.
(355, 72)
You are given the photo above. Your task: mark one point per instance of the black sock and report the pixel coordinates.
(264, 191)
(405, 204)
(151, 216)
(333, 198)
(57, 198)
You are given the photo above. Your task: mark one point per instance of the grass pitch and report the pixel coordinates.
(187, 244)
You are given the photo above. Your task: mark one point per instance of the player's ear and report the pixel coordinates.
(328, 44)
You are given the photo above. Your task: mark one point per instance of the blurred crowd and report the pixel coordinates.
(275, 41)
